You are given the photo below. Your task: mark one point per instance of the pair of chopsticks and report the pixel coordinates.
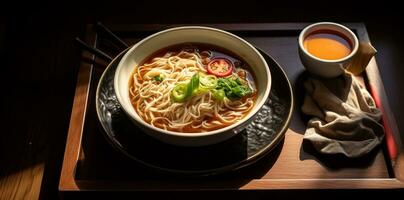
(100, 27)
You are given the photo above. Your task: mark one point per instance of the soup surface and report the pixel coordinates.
(327, 44)
(192, 88)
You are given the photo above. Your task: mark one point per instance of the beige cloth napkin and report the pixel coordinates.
(345, 118)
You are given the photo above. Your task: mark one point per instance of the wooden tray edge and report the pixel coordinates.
(73, 141)
(68, 183)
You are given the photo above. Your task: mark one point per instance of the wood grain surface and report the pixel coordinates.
(40, 66)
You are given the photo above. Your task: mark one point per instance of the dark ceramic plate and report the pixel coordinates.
(261, 136)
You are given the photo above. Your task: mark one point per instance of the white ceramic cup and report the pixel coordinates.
(322, 67)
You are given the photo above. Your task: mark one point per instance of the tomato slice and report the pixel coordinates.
(220, 67)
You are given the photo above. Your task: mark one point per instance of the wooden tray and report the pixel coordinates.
(90, 163)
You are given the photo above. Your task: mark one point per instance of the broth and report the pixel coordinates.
(200, 112)
(328, 45)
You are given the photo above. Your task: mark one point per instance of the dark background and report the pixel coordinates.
(39, 62)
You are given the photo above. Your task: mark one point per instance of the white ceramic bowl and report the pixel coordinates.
(191, 34)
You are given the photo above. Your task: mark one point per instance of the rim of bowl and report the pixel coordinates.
(134, 114)
(355, 48)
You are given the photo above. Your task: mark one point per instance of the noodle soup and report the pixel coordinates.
(192, 88)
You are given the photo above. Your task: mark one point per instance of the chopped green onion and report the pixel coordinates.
(158, 78)
(207, 81)
(179, 93)
(193, 85)
(233, 87)
(218, 94)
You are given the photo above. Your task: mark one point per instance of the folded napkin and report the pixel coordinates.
(345, 118)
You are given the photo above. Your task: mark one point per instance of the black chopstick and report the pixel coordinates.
(101, 27)
(93, 50)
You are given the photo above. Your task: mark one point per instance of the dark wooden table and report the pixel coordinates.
(40, 66)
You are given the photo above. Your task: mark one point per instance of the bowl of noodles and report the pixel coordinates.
(192, 86)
